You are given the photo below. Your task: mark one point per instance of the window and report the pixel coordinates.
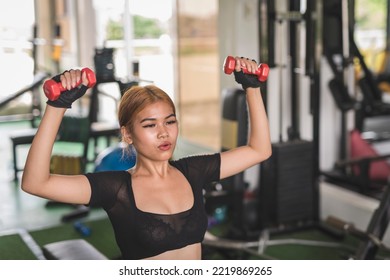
(370, 31)
(199, 70)
(151, 46)
(141, 39)
(16, 33)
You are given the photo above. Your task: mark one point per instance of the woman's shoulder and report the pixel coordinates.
(103, 176)
(105, 186)
(197, 161)
(197, 158)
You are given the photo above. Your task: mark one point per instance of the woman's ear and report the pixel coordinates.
(126, 135)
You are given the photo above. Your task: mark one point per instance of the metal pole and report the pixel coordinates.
(294, 55)
(388, 27)
(128, 37)
(314, 20)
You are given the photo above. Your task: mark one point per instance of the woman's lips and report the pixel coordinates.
(165, 146)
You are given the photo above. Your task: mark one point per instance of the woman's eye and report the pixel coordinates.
(149, 125)
(171, 122)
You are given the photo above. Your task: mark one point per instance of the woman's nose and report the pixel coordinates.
(163, 132)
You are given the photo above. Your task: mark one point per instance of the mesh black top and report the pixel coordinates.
(141, 234)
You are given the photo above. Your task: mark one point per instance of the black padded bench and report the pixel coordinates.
(26, 136)
(21, 137)
(103, 129)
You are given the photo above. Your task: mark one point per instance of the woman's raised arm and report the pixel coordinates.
(36, 178)
(258, 147)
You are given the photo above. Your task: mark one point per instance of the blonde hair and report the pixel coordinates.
(135, 99)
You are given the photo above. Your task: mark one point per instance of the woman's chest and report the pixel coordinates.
(163, 196)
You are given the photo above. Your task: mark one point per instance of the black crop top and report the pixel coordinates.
(141, 234)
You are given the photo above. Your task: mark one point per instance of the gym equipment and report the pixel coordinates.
(18, 138)
(81, 211)
(37, 81)
(288, 195)
(378, 170)
(104, 65)
(261, 72)
(372, 103)
(26, 136)
(53, 89)
(66, 164)
(366, 171)
(83, 229)
(258, 247)
(73, 249)
(343, 55)
(33, 115)
(357, 165)
(371, 239)
(376, 228)
(57, 46)
(115, 158)
(105, 73)
(106, 130)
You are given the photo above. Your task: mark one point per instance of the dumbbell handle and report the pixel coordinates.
(52, 89)
(261, 72)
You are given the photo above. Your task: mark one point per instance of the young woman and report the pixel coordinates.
(156, 208)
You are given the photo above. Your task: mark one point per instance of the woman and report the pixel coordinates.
(156, 208)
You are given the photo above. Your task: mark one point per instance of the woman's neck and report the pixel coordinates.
(150, 168)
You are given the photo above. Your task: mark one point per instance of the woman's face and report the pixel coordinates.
(155, 132)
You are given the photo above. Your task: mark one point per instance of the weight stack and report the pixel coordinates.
(287, 194)
(104, 65)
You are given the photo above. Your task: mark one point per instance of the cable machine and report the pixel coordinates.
(288, 195)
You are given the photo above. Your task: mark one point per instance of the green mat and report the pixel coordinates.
(12, 246)
(102, 236)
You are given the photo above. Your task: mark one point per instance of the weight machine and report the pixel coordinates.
(277, 211)
(342, 53)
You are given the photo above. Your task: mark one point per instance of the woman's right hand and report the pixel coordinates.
(69, 80)
(246, 80)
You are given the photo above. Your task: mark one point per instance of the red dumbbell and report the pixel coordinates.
(53, 89)
(261, 72)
